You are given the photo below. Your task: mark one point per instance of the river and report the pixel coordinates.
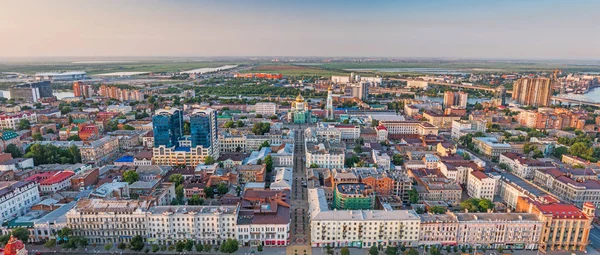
(58, 94)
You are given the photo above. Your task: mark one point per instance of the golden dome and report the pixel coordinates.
(299, 98)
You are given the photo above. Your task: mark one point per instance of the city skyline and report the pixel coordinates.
(444, 29)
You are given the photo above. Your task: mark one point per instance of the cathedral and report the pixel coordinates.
(299, 112)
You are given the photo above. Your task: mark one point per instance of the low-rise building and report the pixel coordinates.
(325, 154)
(359, 228)
(16, 197)
(264, 218)
(265, 108)
(490, 147)
(353, 196)
(521, 165)
(481, 185)
(58, 182)
(99, 151)
(398, 128)
(574, 191)
(509, 230)
(251, 173)
(438, 229)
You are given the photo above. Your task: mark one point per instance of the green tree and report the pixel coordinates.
(121, 246)
(265, 144)
(229, 124)
(128, 127)
(73, 138)
(358, 149)
(155, 248)
(229, 246)
(179, 192)
(21, 234)
(108, 246)
(137, 243)
(329, 250)
(209, 160)
(13, 150)
(176, 178)
(261, 128)
(374, 123)
(179, 246)
(37, 137)
(186, 128)
(313, 165)
(130, 176)
(413, 196)
(240, 123)
(398, 159)
(373, 250)
(222, 188)
(391, 250)
(50, 243)
(437, 210)
(403, 248)
(195, 200)
(24, 124)
(189, 245)
(559, 151)
(207, 247)
(209, 192)
(269, 163)
(259, 248)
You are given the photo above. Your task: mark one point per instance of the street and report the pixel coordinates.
(300, 231)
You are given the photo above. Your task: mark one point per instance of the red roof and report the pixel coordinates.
(41, 176)
(381, 127)
(59, 177)
(563, 211)
(480, 175)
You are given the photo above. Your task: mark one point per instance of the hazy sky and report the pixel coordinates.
(547, 29)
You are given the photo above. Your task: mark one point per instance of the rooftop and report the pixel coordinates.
(103, 205)
(495, 217)
(59, 177)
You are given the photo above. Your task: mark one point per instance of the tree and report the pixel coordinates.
(209, 160)
(37, 137)
(240, 123)
(261, 128)
(128, 127)
(358, 149)
(374, 123)
(229, 124)
(391, 250)
(259, 248)
(155, 248)
(373, 250)
(477, 205)
(258, 116)
(50, 154)
(195, 200)
(269, 163)
(64, 233)
(265, 144)
(207, 247)
(189, 245)
(229, 246)
(121, 246)
(222, 188)
(437, 210)
(21, 234)
(413, 196)
(179, 193)
(14, 151)
(176, 178)
(108, 246)
(208, 191)
(398, 159)
(313, 165)
(345, 251)
(179, 246)
(329, 250)
(24, 124)
(559, 151)
(137, 243)
(403, 248)
(412, 251)
(50, 243)
(500, 249)
(73, 138)
(130, 176)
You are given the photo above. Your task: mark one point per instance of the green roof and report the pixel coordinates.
(79, 120)
(7, 135)
(14, 224)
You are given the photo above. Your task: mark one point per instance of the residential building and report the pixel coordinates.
(232, 143)
(564, 186)
(353, 196)
(265, 108)
(99, 151)
(108, 221)
(453, 98)
(395, 127)
(564, 226)
(204, 224)
(532, 91)
(481, 185)
(458, 126)
(515, 230)
(381, 159)
(11, 121)
(440, 120)
(264, 218)
(490, 147)
(438, 229)
(423, 85)
(378, 180)
(16, 197)
(58, 182)
(251, 173)
(283, 155)
(359, 228)
(316, 134)
(521, 165)
(325, 154)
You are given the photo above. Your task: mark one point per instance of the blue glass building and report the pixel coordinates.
(203, 128)
(167, 127)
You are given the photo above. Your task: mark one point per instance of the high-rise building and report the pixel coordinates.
(167, 126)
(203, 129)
(532, 91)
(452, 98)
(500, 95)
(31, 92)
(77, 88)
(329, 106)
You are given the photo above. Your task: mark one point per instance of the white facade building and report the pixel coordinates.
(17, 197)
(499, 229)
(325, 155)
(481, 185)
(265, 108)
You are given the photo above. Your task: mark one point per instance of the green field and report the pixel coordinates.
(295, 70)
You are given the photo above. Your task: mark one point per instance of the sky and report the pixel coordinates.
(520, 29)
